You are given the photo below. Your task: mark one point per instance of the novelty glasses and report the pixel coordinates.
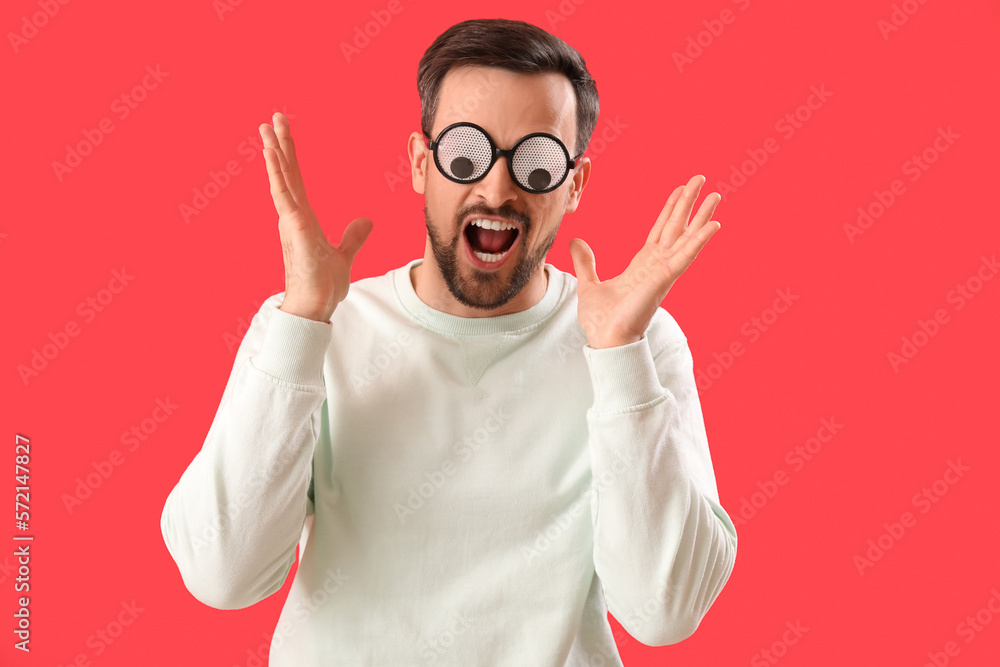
(538, 163)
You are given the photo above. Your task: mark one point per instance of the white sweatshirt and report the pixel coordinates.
(463, 491)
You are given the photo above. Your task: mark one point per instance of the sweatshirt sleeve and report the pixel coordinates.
(233, 520)
(663, 545)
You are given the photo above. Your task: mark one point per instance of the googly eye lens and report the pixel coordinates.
(464, 153)
(539, 163)
(462, 167)
(539, 179)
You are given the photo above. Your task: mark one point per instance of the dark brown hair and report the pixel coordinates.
(512, 45)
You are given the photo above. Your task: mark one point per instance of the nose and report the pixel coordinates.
(497, 187)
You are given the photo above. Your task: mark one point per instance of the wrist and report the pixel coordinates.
(601, 344)
(308, 313)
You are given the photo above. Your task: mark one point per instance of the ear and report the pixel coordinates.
(420, 156)
(579, 181)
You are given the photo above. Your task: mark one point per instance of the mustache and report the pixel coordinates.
(505, 211)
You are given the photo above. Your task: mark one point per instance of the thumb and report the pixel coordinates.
(354, 236)
(584, 264)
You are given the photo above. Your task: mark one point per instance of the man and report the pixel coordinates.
(478, 454)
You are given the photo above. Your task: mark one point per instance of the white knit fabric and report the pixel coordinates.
(463, 491)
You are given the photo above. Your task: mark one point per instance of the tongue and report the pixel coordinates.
(491, 240)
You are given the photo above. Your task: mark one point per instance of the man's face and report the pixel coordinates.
(508, 106)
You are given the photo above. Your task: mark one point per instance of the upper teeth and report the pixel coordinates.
(491, 224)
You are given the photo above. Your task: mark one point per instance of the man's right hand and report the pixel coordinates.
(317, 274)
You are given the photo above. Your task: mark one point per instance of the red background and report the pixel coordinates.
(172, 332)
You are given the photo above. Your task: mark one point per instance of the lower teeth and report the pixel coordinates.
(489, 257)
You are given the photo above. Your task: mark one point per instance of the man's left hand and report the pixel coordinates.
(618, 311)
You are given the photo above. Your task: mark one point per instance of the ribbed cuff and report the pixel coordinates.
(294, 348)
(623, 376)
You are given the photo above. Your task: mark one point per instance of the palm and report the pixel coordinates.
(314, 266)
(618, 311)
(317, 273)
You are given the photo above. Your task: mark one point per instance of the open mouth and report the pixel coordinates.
(490, 240)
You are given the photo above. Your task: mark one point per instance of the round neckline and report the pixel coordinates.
(456, 325)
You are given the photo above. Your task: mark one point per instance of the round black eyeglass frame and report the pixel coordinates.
(497, 153)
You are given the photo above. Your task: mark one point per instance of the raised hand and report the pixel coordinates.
(618, 311)
(317, 274)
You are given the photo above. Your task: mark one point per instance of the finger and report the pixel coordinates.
(284, 203)
(654, 233)
(584, 263)
(293, 175)
(354, 236)
(682, 211)
(270, 139)
(681, 260)
(704, 214)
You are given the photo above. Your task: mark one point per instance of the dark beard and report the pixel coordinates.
(487, 291)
